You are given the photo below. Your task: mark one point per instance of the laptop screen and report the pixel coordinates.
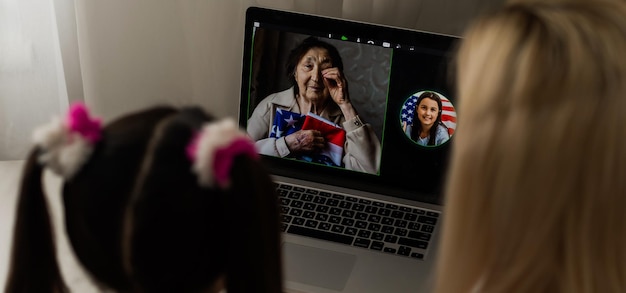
(357, 105)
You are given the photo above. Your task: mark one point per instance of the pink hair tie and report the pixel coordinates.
(67, 145)
(214, 149)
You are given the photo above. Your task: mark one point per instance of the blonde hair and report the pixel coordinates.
(536, 197)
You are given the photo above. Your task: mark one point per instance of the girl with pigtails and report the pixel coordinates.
(162, 200)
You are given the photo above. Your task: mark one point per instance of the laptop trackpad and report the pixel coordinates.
(317, 267)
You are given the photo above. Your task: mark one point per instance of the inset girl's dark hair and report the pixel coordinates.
(139, 222)
(298, 52)
(417, 126)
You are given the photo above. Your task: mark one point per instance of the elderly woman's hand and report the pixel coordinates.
(337, 85)
(304, 141)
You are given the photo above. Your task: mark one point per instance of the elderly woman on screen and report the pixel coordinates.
(319, 87)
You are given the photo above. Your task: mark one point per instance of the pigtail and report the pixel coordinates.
(255, 263)
(33, 265)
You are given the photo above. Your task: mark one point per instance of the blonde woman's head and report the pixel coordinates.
(536, 198)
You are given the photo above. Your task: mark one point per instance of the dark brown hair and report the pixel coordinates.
(139, 222)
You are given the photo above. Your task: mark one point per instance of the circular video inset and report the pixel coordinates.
(428, 118)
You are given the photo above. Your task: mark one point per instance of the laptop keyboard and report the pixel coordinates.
(365, 223)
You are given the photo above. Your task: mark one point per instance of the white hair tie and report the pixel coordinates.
(213, 150)
(67, 145)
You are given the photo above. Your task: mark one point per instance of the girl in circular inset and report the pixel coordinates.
(427, 128)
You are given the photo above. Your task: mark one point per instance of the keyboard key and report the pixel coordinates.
(432, 214)
(403, 250)
(391, 239)
(387, 221)
(296, 204)
(321, 217)
(412, 243)
(324, 226)
(350, 231)
(337, 228)
(322, 209)
(299, 189)
(417, 255)
(365, 233)
(377, 245)
(427, 220)
(347, 222)
(347, 214)
(309, 206)
(419, 212)
(295, 212)
(390, 250)
(332, 202)
(298, 221)
(414, 226)
(360, 242)
(401, 223)
(374, 227)
(391, 206)
(319, 200)
(294, 195)
(286, 218)
(335, 219)
(387, 229)
(307, 197)
(311, 224)
(365, 201)
(338, 196)
(360, 224)
(378, 204)
(345, 205)
(405, 209)
(312, 191)
(397, 214)
(324, 194)
(374, 218)
(285, 186)
(384, 212)
(358, 207)
(361, 216)
(419, 235)
(400, 232)
(427, 228)
(334, 237)
(378, 236)
(284, 210)
(335, 211)
(371, 209)
(351, 199)
(410, 217)
(308, 215)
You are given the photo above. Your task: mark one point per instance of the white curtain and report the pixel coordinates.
(123, 55)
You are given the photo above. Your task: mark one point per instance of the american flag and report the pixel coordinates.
(448, 114)
(287, 122)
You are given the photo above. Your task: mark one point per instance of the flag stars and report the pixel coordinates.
(291, 122)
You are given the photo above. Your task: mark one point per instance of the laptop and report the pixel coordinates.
(345, 228)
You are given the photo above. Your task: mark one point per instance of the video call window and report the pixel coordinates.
(276, 112)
